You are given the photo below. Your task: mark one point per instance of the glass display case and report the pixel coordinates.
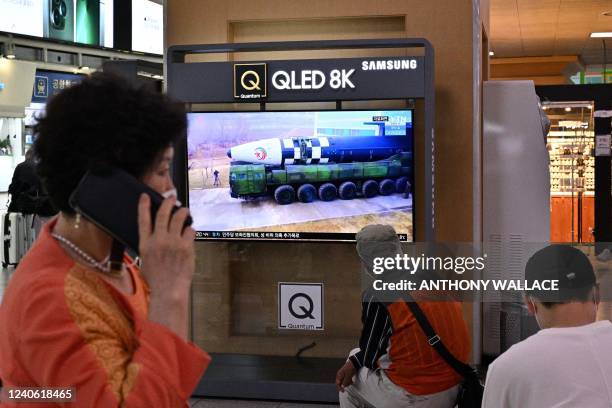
(572, 170)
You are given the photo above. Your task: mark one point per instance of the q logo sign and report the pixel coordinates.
(253, 81)
(250, 81)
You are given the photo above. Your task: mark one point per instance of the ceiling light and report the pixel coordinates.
(544, 107)
(144, 74)
(10, 50)
(491, 53)
(568, 109)
(602, 34)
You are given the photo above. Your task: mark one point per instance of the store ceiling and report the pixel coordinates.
(525, 28)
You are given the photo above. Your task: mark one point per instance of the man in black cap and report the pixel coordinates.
(568, 363)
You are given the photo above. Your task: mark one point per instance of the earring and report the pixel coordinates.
(77, 222)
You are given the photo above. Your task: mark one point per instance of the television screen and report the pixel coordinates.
(147, 26)
(87, 22)
(312, 175)
(22, 17)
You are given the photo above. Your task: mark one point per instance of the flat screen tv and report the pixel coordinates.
(309, 175)
(89, 22)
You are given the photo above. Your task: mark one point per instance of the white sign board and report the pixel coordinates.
(22, 17)
(147, 26)
(300, 306)
(602, 145)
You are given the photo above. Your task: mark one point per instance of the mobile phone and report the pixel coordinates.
(109, 197)
(58, 19)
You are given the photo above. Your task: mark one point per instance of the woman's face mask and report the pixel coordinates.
(159, 177)
(172, 193)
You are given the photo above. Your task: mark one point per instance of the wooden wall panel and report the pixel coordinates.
(561, 219)
(555, 70)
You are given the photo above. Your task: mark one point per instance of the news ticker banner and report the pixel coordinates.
(487, 272)
(279, 236)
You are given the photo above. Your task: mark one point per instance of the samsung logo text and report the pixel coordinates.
(388, 65)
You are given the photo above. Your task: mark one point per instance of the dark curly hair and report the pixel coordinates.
(100, 122)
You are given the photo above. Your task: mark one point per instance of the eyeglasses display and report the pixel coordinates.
(570, 144)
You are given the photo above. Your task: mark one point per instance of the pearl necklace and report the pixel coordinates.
(103, 265)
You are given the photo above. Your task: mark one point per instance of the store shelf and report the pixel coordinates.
(571, 166)
(572, 172)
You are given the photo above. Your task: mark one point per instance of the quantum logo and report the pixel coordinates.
(250, 81)
(253, 80)
(260, 153)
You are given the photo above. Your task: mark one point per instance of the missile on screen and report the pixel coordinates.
(318, 150)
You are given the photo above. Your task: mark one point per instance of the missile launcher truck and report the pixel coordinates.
(326, 168)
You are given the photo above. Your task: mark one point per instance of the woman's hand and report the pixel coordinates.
(168, 262)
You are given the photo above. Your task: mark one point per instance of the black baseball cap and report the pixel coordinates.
(565, 264)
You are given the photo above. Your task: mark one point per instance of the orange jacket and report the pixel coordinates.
(62, 325)
(415, 365)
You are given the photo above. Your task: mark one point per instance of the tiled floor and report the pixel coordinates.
(218, 403)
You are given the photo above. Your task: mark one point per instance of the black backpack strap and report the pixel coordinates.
(435, 341)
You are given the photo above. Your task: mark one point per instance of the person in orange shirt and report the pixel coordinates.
(394, 365)
(116, 335)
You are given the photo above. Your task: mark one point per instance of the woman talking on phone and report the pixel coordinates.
(114, 333)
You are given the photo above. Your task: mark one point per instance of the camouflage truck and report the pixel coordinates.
(328, 181)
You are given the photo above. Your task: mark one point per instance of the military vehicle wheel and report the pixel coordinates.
(327, 192)
(307, 193)
(347, 190)
(284, 194)
(387, 186)
(369, 188)
(400, 184)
